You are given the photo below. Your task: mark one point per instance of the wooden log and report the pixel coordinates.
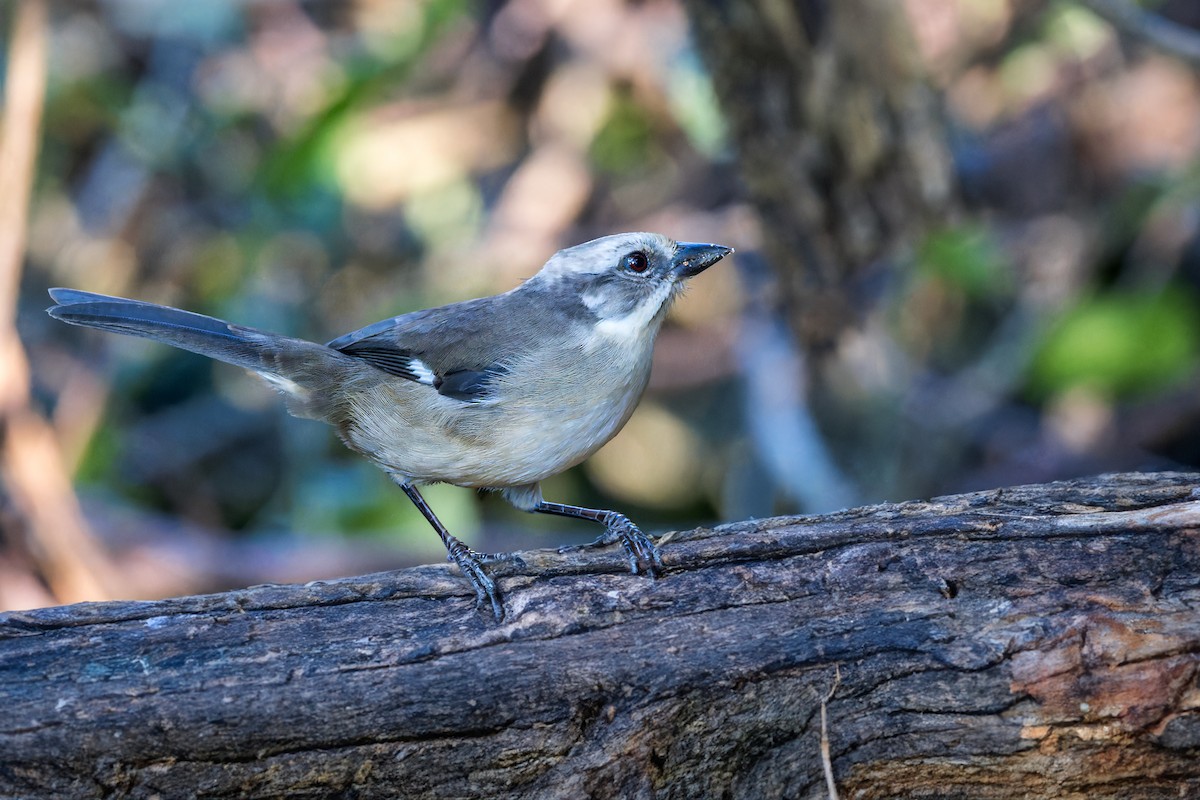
(1039, 641)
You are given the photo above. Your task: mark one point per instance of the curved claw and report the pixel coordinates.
(643, 554)
(639, 547)
(471, 565)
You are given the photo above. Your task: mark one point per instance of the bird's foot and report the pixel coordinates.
(644, 556)
(471, 564)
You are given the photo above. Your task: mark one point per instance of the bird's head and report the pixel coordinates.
(627, 281)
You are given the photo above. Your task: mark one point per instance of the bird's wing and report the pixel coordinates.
(456, 349)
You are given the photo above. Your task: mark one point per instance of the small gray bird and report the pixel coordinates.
(496, 393)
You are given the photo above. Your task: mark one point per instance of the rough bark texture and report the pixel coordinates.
(840, 143)
(1042, 641)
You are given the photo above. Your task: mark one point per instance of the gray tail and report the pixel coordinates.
(275, 357)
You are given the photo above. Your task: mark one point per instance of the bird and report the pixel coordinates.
(497, 393)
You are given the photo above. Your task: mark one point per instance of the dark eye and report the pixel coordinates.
(636, 262)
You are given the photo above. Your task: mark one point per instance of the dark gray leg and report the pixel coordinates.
(467, 560)
(642, 552)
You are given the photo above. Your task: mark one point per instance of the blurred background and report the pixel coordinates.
(967, 232)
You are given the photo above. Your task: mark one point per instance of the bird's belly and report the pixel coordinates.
(535, 446)
(484, 446)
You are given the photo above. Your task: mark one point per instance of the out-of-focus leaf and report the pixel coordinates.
(99, 455)
(967, 258)
(447, 213)
(77, 111)
(694, 104)
(1120, 343)
(626, 143)
(1076, 32)
(304, 159)
(1029, 71)
(350, 497)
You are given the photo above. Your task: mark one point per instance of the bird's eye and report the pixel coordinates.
(636, 262)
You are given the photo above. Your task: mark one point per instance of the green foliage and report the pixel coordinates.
(1124, 344)
(102, 451)
(350, 497)
(967, 258)
(694, 105)
(961, 284)
(626, 143)
(294, 165)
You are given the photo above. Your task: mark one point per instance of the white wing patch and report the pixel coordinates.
(424, 373)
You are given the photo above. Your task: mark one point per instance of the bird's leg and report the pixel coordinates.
(642, 552)
(467, 560)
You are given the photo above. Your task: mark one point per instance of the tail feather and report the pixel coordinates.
(305, 372)
(197, 333)
(67, 297)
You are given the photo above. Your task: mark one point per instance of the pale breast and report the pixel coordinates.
(545, 418)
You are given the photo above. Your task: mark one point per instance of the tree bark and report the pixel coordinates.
(1041, 641)
(840, 141)
(843, 150)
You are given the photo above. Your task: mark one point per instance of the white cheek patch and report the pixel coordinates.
(634, 324)
(592, 301)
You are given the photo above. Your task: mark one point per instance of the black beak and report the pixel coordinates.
(692, 259)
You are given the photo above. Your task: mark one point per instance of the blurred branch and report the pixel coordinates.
(1161, 34)
(47, 520)
(23, 92)
(781, 424)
